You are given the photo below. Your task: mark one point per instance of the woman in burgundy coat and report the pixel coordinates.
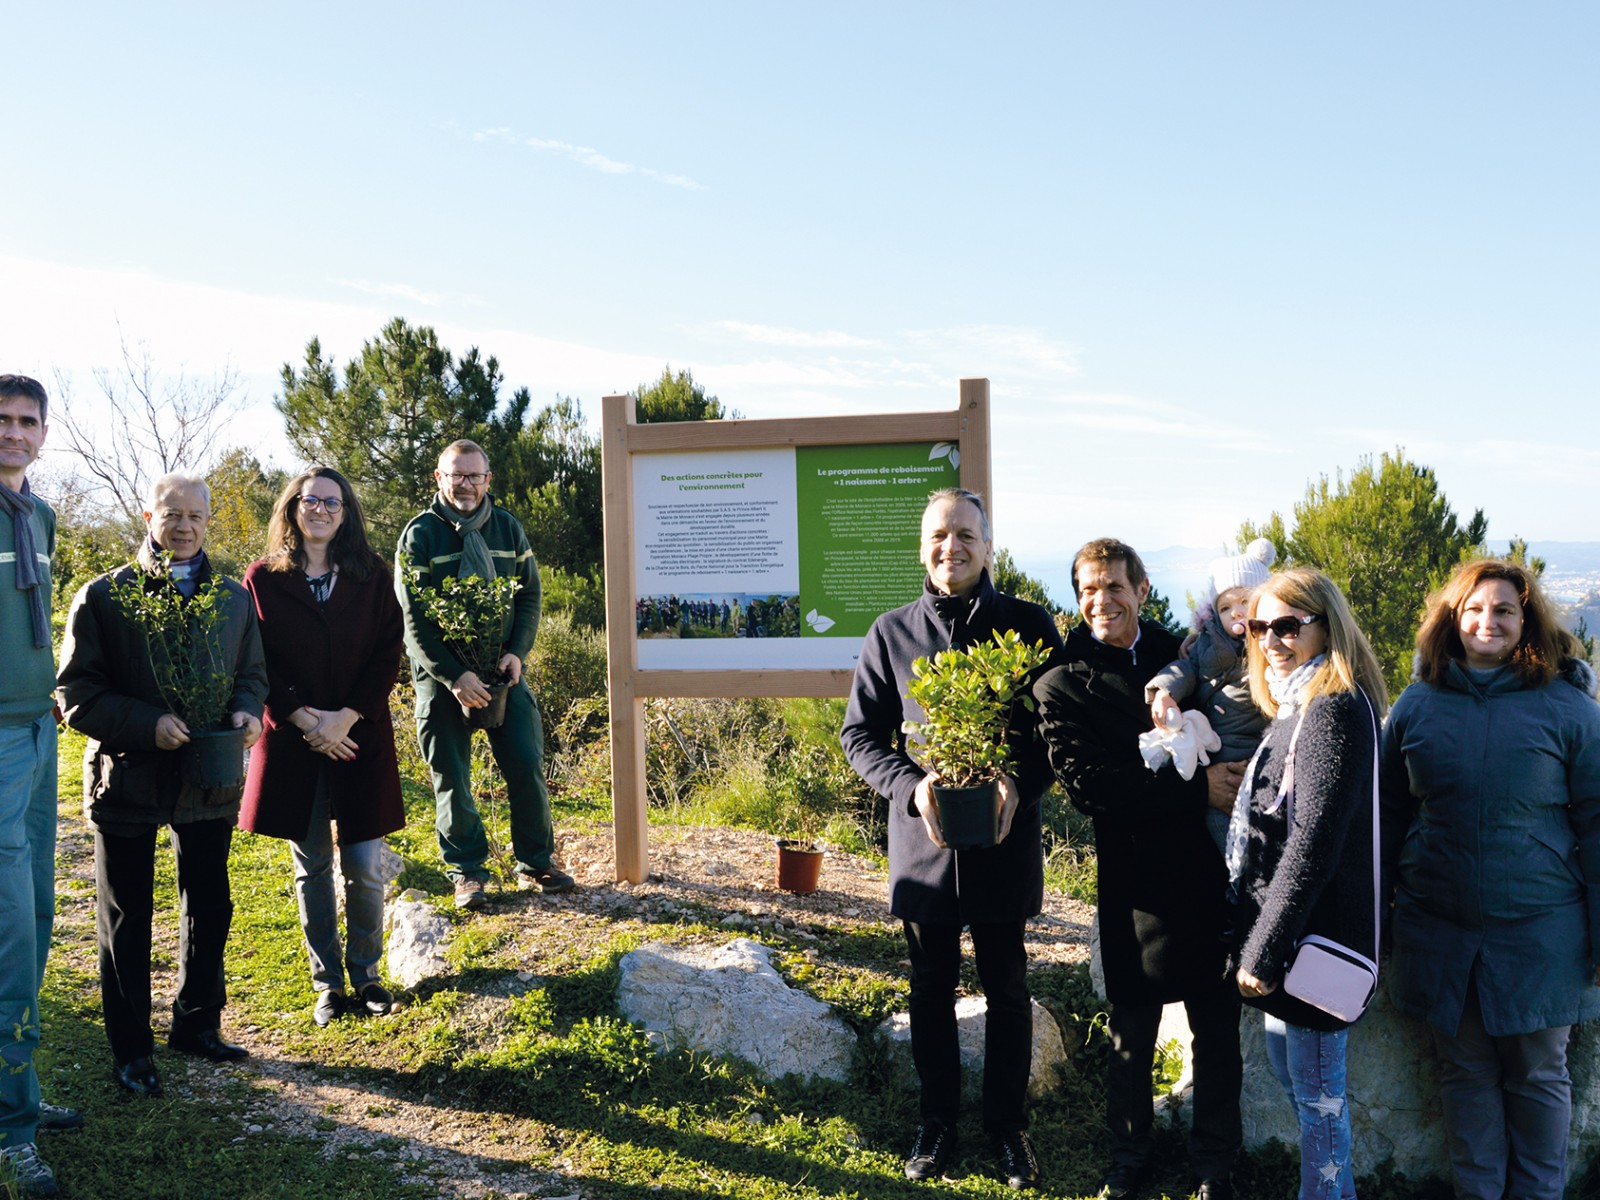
(331, 631)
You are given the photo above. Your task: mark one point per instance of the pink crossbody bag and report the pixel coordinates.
(1325, 974)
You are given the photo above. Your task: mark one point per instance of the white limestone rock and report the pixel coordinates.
(729, 1001)
(417, 936)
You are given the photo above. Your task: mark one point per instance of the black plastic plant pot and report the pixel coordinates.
(969, 816)
(493, 714)
(214, 758)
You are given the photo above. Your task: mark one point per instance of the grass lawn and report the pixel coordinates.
(520, 1060)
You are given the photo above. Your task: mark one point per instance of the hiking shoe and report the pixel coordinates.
(546, 879)
(470, 894)
(931, 1152)
(1018, 1163)
(57, 1118)
(34, 1175)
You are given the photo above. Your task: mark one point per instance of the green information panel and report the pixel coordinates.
(860, 514)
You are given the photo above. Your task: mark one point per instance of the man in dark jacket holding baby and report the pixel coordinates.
(1161, 885)
(934, 890)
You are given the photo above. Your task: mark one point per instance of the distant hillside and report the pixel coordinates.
(1572, 574)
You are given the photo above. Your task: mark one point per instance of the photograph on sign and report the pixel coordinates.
(777, 558)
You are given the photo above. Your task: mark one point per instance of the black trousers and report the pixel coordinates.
(1215, 1134)
(1002, 962)
(124, 872)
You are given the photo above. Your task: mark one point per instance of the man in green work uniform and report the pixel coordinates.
(464, 533)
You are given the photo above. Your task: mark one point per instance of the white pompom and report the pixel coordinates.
(1262, 550)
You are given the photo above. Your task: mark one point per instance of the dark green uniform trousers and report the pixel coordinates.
(518, 748)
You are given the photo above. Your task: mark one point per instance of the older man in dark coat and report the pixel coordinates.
(1162, 887)
(133, 785)
(936, 891)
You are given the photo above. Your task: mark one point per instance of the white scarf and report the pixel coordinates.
(1286, 692)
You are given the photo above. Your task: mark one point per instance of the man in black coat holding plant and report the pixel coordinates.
(934, 890)
(133, 783)
(1162, 886)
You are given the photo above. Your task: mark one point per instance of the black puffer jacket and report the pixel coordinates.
(926, 884)
(1162, 886)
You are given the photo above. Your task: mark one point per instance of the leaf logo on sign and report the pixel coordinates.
(946, 450)
(818, 622)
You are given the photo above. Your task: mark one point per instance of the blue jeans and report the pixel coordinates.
(1311, 1066)
(27, 912)
(361, 865)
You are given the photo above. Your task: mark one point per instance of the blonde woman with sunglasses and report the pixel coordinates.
(1300, 847)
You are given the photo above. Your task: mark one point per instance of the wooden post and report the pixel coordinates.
(974, 437)
(630, 823)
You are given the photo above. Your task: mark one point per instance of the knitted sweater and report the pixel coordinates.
(431, 545)
(1308, 861)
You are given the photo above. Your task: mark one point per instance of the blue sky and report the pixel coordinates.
(1204, 253)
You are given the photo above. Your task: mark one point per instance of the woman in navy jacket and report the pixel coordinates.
(331, 631)
(1491, 794)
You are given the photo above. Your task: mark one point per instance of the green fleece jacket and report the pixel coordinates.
(28, 684)
(430, 544)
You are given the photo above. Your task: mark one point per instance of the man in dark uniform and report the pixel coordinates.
(1162, 886)
(936, 891)
(464, 533)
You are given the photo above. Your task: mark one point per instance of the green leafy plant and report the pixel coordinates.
(193, 670)
(968, 697)
(472, 614)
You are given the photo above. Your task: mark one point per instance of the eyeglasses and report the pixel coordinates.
(474, 477)
(1287, 628)
(328, 504)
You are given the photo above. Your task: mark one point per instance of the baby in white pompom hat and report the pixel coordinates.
(1211, 680)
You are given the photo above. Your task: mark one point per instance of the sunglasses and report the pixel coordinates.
(1287, 628)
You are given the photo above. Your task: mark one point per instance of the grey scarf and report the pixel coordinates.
(20, 506)
(475, 558)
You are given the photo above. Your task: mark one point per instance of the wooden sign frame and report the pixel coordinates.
(621, 438)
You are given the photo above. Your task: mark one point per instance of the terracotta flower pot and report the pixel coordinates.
(493, 714)
(799, 866)
(214, 758)
(969, 816)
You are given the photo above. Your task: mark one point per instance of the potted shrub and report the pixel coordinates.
(967, 697)
(472, 615)
(192, 670)
(799, 865)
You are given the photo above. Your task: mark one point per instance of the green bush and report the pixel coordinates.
(568, 664)
(582, 598)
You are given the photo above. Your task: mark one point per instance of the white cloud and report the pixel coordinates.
(1029, 353)
(401, 291)
(586, 156)
(773, 335)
